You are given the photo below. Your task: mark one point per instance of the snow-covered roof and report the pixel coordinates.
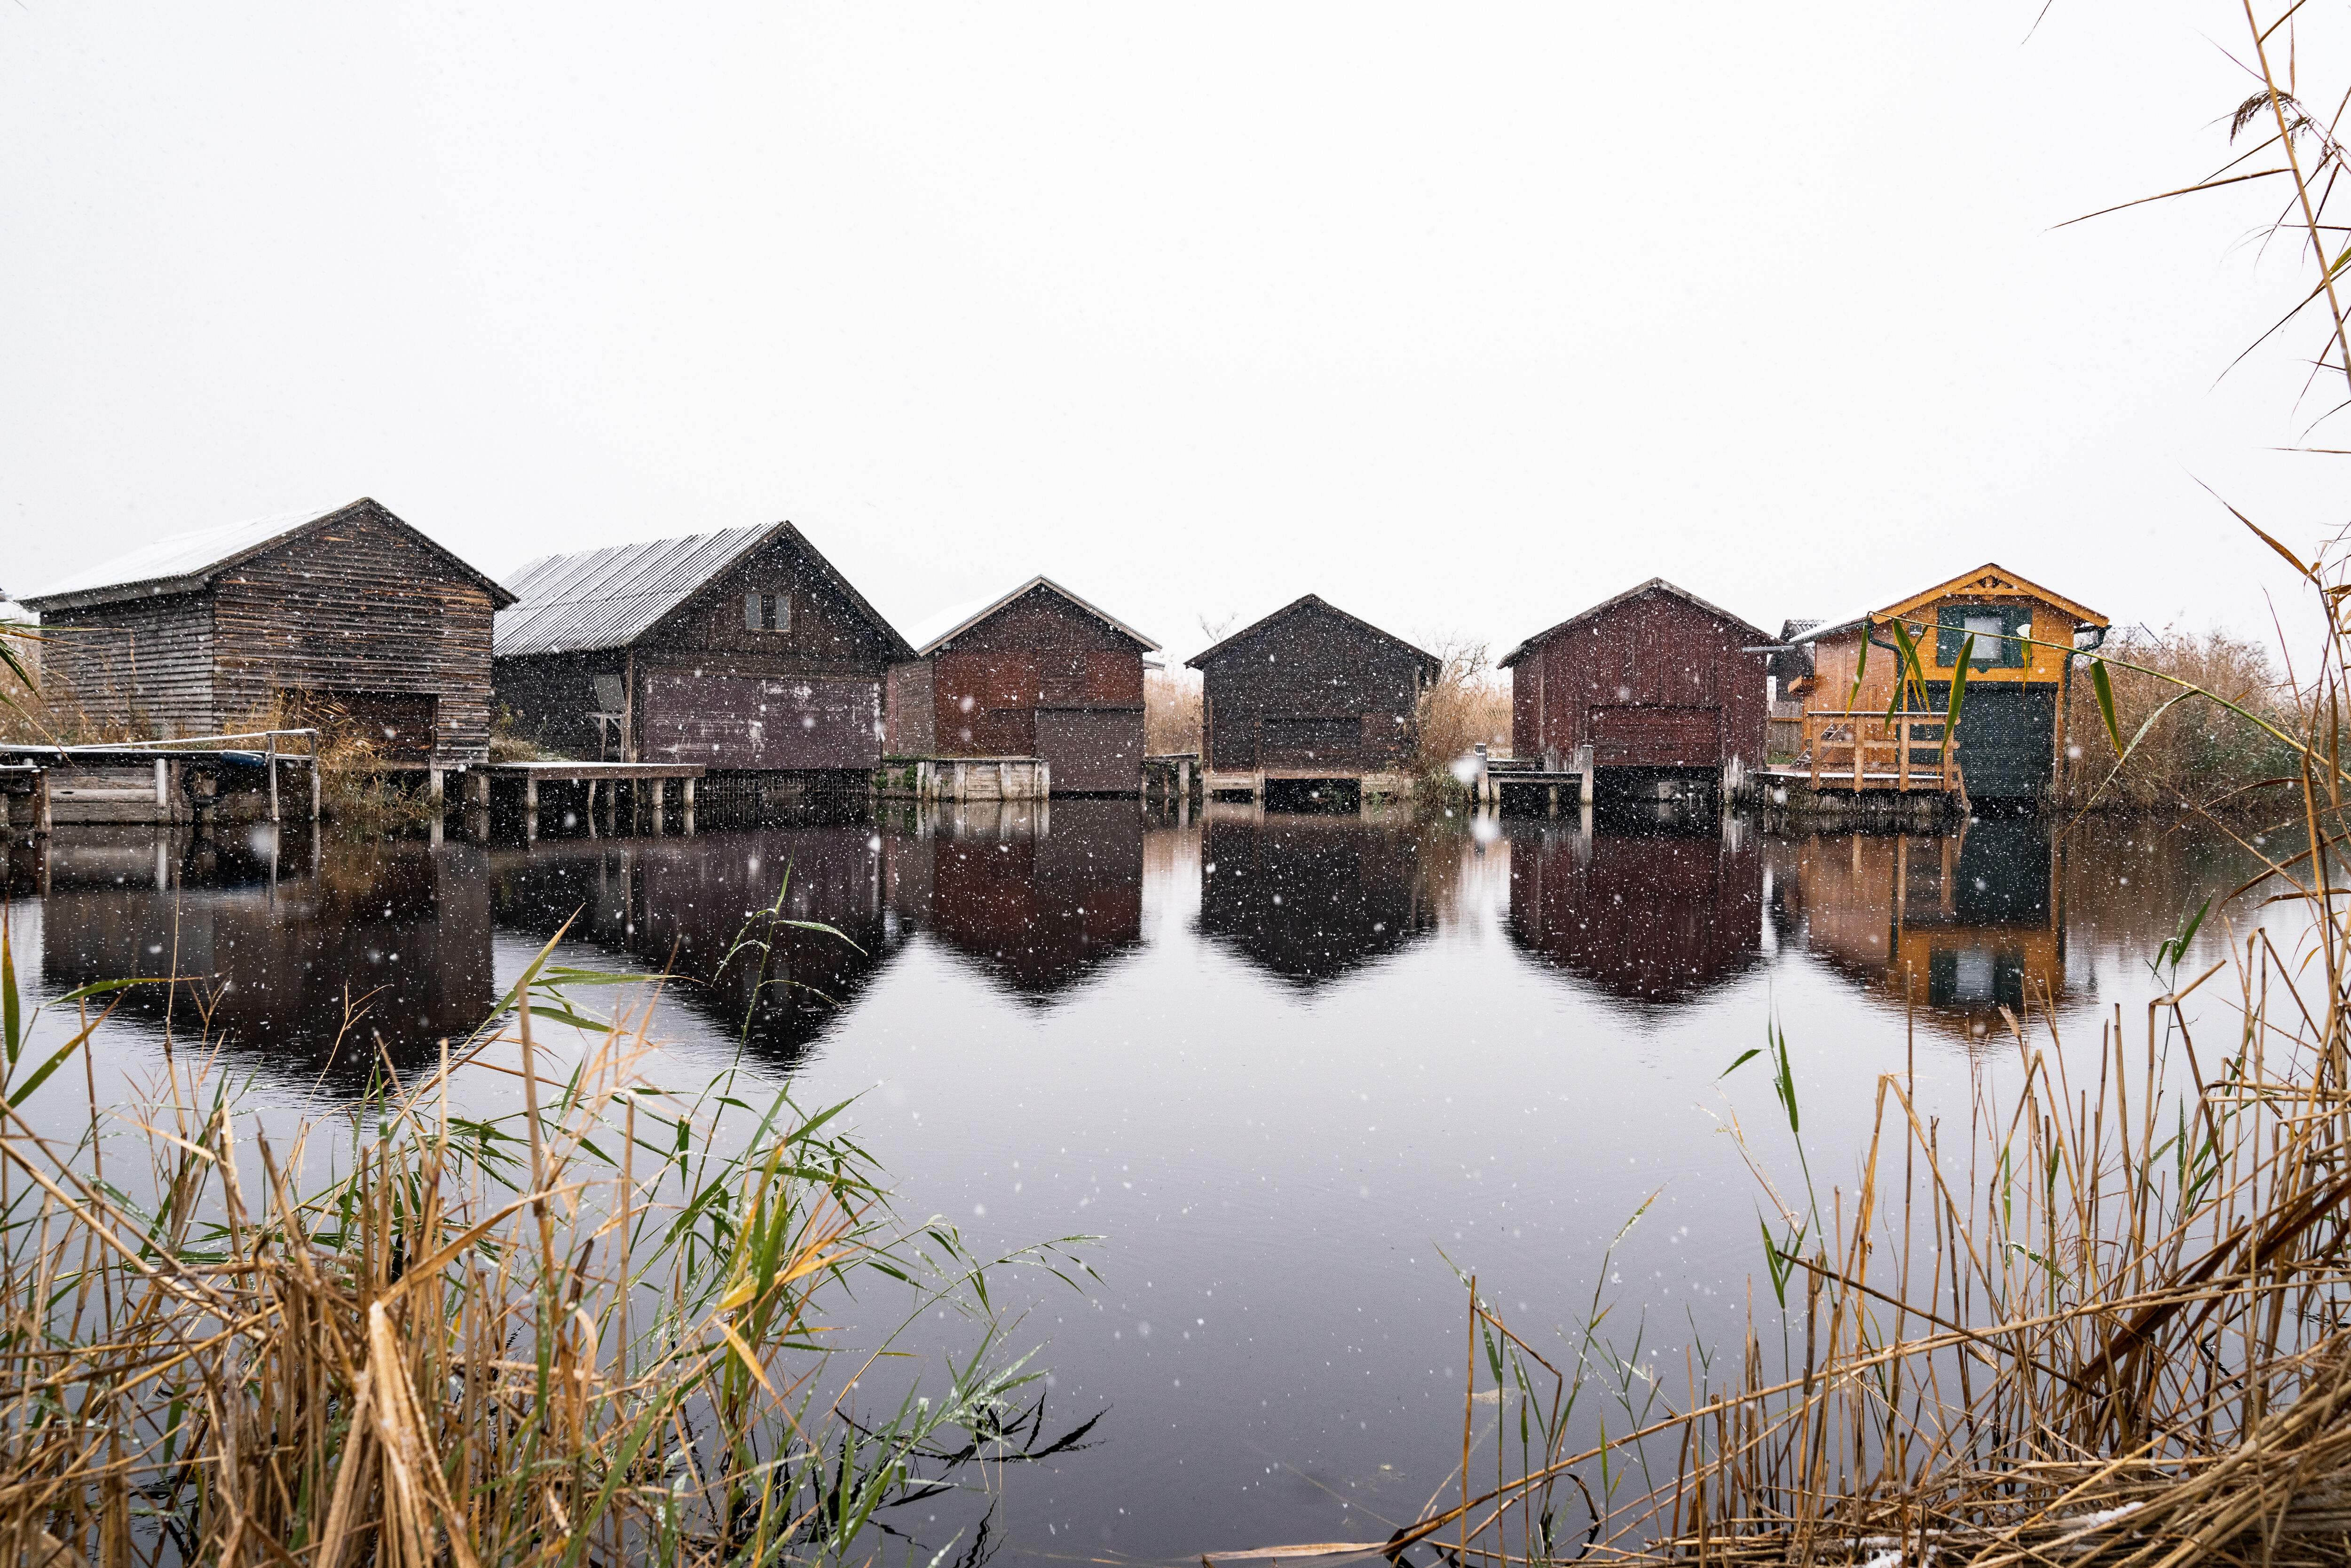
(1831, 628)
(944, 625)
(181, 563)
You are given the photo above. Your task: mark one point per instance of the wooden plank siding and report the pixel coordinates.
(2024, 683)
(1041, 677)
(359, 605)
(354, 606)
(710, 689)
(1654, 678)
(140, 665)
(702, 684)
(1310, 688)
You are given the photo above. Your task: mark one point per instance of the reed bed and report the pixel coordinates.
(587, 1332)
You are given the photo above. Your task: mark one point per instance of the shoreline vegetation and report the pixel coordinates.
(2108, 1320)
(583, 1332)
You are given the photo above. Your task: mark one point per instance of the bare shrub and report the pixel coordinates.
(1468, 702)
(2200, 752)
(1171, 712)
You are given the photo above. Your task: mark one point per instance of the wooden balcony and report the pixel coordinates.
(1868, 750)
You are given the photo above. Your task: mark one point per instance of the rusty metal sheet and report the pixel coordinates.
(768, 723)
(1099, 750)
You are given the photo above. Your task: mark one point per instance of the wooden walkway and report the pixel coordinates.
(648, 782)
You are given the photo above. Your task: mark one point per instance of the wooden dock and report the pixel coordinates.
(964, 778)
(598, 784)
(198, 778)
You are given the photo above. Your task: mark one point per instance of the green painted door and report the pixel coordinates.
(2007, 738)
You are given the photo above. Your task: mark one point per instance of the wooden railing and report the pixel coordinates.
(1905, 751)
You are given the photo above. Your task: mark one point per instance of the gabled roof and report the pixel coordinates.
(1655, 585)
(184, 563)
(1199, 661)
(952, 623)
(608, 598)
(1994, 578)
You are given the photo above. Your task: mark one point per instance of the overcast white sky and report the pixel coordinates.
(1463, 316)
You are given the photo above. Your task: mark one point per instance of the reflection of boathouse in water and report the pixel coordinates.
(1310, 899)
(287, 943)
(679, 906)
(1656, 918)
(1038, 896)
(1963, 924)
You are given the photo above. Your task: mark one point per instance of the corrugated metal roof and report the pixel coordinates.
(608, 598)
(933, 629)
(183, 560)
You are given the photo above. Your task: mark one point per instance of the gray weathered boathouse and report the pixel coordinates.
(346, 616)
(1311, 696)
(741, 650)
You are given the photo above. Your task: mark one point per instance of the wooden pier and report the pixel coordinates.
(199, 779)
(964, 778)
(648, 786)
(1523, 784)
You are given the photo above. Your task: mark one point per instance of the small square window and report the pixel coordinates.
(767, 612)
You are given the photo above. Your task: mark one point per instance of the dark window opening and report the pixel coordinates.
(767, 612)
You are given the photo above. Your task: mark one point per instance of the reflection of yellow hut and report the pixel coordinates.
(1959, 925)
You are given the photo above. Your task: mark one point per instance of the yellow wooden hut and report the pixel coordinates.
(2011, 732)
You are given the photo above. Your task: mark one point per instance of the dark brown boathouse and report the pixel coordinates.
(1038, 672)
(342, 616)
(1311, 696)
(1652, 684)
(737, 650)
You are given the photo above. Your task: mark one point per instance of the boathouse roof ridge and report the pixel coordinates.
(185, 562)
(1655, 585)
(1990, 577)
(609, 597)
(934, 630)
(1305, 602)
(1994, 578)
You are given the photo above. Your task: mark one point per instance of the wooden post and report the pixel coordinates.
(163, 789)
(1588, 789)
(273, 776)
(1183, 779)
(529, 807)
(660, 805)
(1554, 800)
(1813, 733)
(44, 822)
(314, 779)
(433, 788)
(1902, 771)
(688, 823)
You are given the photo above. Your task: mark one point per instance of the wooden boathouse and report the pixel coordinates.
(1036, 673)
(347, 617)
(2012, 731)
(743, 650)
(1310, 697)
(1654, 687)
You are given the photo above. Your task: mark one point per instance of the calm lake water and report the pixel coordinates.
(1291, 1071)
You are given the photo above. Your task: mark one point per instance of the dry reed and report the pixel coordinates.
(1171, 713)
(581, 1333)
